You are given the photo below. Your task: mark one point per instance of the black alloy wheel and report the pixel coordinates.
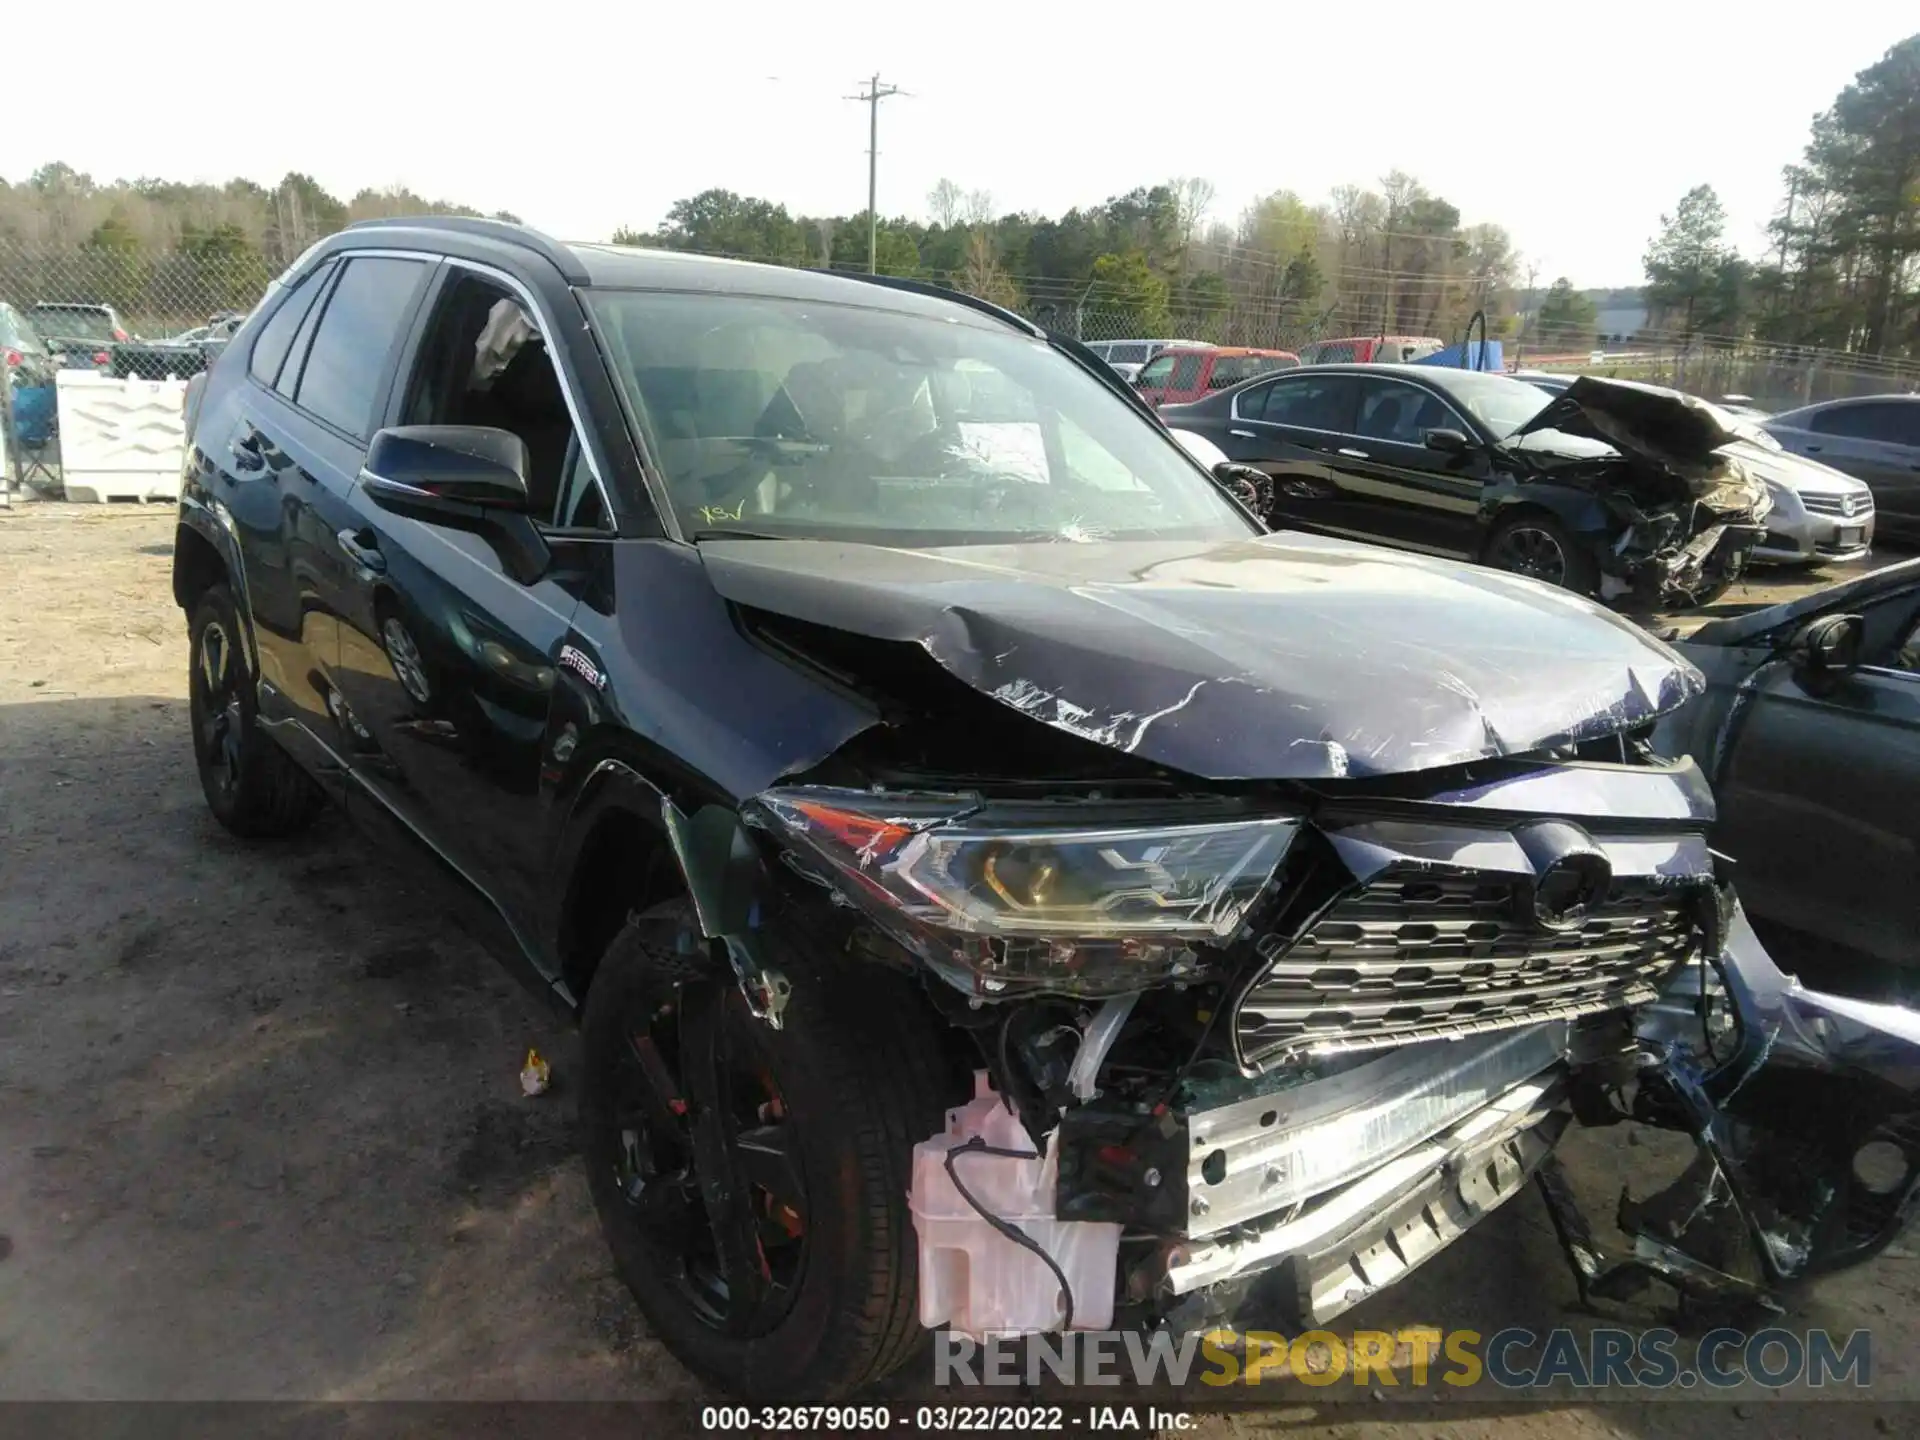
(752, 1181)
(705, 1159)
(1530, 550)
(252, 786)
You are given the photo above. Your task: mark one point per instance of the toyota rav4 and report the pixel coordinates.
(1001, 885)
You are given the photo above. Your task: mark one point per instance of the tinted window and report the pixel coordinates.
(1186, 372)
(1127, 354)
(1313, 402)
(363, 318)
(276, 336)
(1390, 410)
(1887, 421)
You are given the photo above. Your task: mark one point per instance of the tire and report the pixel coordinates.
(1536, 535)
(852, 1081)
(253, 787)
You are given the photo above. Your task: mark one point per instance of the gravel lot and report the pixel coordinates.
(261, 1135)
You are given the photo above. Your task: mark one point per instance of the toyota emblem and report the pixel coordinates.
(1571, 889)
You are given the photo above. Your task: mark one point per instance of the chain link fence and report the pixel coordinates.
(135, 313)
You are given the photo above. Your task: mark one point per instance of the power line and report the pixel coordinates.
(871, 95)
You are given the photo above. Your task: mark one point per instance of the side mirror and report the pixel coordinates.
(1825, 651)
(463, 477)
(1248, 484)
(1448, 442)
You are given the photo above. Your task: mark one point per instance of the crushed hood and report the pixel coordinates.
(1270, 657)
(1671, 430)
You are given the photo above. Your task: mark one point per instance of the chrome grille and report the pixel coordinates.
(1847, 507)
(1418, 953)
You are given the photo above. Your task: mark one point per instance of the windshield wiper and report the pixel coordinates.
(698, 535)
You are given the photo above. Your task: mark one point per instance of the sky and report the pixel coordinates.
(1574, 125)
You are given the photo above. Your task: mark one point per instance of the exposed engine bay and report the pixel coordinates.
(1686, 514)
(1264, 1062)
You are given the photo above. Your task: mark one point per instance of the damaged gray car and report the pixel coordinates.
(1000, 884)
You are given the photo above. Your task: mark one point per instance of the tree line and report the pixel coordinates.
(1392, 258)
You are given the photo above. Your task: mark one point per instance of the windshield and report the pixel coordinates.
(1501, 404)
(784, 417)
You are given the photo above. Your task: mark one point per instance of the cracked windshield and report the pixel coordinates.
(787, 418)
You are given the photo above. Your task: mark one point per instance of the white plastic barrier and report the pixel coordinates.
(121, 439)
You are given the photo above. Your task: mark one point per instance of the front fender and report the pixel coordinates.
(1579, 511)
(1806, 1109)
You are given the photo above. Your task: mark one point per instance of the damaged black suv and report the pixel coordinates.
(898, 752)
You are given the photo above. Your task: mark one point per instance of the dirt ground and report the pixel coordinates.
(261, 1135)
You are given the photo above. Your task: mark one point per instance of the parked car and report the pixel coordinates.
(1134, 352)
(847, 700)
(28, 362)
(81, 337)
(1819, 514)
(1371, 350)
(1484, 467)
(1178, 376)
(1810, 732)
(181, 357)
(1876, 440)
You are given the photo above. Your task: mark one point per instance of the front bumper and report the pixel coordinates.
(1798, 536)
(1375, 1231)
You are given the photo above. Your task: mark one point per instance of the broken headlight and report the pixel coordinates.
(1070, 908)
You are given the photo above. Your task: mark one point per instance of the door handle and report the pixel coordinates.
(1351, 454)
(361, 548)
(1243, 434)
(1812, 449)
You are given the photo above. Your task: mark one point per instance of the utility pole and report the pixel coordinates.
(1526, 313)
(871, 97)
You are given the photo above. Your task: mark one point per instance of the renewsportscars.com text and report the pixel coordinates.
(1511, 1359)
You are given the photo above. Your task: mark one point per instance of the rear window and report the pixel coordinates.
(1186, 372)
(363, 319)
(1332, 352)
(1127, 354)
(1312, 402)
(73, 322)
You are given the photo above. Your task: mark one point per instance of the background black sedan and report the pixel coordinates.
(1422, 457)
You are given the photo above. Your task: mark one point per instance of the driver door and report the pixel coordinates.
(447, 661)
(1819, 796)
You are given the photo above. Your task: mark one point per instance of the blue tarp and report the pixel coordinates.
(33, 411)
(1473, 355)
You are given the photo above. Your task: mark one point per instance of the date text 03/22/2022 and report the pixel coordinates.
(879, 1419)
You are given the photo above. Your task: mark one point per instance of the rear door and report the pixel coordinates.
(311, 431)
(1393, 487)
(1819, 796)
(244, 439)
(1290, 429)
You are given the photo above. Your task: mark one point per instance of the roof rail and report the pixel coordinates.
(940, 292)
(550, 249)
